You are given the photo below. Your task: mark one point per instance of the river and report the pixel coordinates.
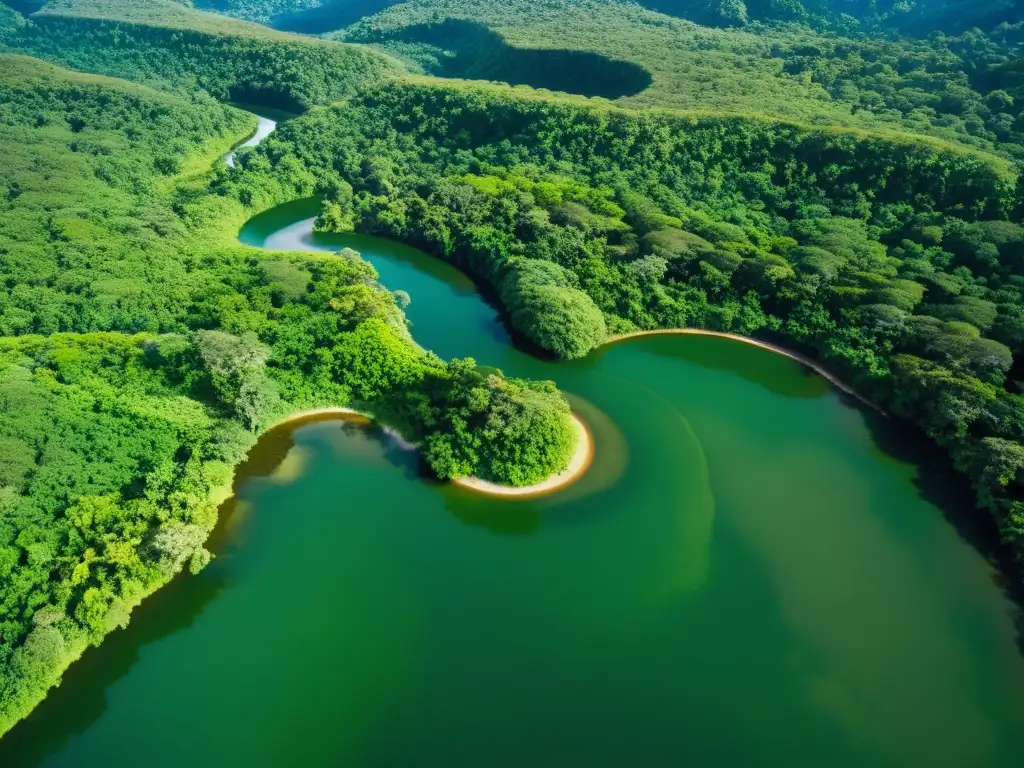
(754, 572)
(265, 125)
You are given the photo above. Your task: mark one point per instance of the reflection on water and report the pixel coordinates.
(773, 372)
(695, 502)
(519, 518)
(81, 699)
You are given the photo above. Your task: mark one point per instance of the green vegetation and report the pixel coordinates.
(473, 51)
(258, 10)
(856, 197)
(935, 86)
(161, 42)
(305, 16)
(142, 350)
(849, 16)
(326, 15)
(895, 261)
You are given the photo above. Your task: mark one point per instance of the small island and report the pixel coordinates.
(581, 460)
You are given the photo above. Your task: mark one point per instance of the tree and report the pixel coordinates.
(338, 214)
(237, 370)
(546, 309)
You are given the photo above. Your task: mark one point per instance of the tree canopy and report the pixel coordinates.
(142, 350)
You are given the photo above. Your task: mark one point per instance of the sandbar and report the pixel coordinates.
(578, 466)
(814, 365)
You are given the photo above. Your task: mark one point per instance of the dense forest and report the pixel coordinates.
(165, 42)
(847, 16)
(142, 351)
(259, 10)
(799, 170)
(949, 86)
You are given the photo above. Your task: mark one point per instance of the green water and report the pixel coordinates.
(753, 573)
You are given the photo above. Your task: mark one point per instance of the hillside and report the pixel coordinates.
(170, 14)
(917, 86)
(916, 17)
(165, 42)
(955, 88)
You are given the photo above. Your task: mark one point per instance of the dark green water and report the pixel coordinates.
(753, 573)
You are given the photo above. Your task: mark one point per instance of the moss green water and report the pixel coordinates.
(753, 573)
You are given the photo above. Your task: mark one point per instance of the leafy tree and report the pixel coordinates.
(547, 309)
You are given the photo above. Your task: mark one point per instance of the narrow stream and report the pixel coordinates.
(264, 127)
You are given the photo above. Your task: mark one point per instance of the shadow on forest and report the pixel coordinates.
(266, 99)
(939, 484)
(329, 17)
(471, 51)
(25, 7)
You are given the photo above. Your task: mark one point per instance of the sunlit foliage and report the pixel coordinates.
(142, 350)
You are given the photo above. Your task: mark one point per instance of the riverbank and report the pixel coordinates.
(264, 127)
(317, 413)
(578, 466)
(804, 360)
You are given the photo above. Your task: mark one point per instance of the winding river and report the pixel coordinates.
(754, 572)
(264, 127)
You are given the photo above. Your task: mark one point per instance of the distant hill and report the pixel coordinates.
(25, 6)
(164, 41)
(908, 16)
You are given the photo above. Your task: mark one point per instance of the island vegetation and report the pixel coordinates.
(786, 169)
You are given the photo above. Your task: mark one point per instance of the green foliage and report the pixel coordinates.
(546, 307)
(942, 85)
(10, 20)
(469, 423)
(258, 10)
(161, 41)
(843, 15)
(238, 375)
(70, 249)
(338, 214)
(107, 458)
(142, 350)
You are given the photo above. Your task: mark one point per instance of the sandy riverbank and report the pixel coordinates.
(578, 467)
(802, 359)
(584, 455)
(316, 413)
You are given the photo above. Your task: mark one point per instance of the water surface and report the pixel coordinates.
(754, 572)
(264, 127)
